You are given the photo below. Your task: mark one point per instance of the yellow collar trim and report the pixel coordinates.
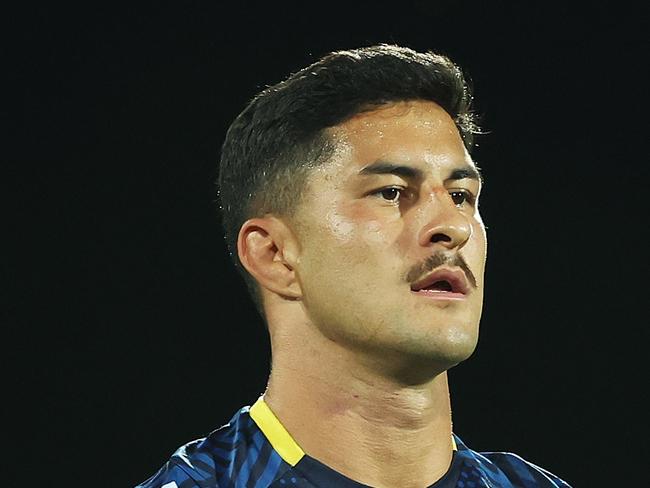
(280, 439)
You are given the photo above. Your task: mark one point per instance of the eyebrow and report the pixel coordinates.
(386, 167)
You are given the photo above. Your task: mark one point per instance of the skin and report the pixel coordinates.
(359, 360)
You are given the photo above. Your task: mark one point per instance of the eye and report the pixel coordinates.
(391, 194)
(461, 196)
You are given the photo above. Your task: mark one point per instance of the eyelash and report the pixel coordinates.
(468, 196)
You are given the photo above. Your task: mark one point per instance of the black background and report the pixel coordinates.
(127, 331)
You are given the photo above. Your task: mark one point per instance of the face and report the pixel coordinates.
(392, 246)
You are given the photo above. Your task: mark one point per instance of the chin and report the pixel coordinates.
(456, 354)
(421, 368)
(450, 348)
(417, 362)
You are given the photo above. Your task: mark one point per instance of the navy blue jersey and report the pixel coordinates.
(254, 450)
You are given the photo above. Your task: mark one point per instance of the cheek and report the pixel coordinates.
(482, 235)
(375, 233)
(478, 250)
(340, 228)
(356, 227)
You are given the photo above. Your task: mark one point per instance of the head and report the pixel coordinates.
(345, 186)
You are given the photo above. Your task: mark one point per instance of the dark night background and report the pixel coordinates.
(127, 332)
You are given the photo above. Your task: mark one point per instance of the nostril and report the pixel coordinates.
(440, 237)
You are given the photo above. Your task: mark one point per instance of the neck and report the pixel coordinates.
(364, 424)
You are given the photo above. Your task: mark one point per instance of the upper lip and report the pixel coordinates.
(455, 276)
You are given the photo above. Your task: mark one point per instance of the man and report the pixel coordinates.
(350, 205)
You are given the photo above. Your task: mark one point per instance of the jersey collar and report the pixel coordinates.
(279, 437)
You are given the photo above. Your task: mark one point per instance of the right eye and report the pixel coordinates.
(391, 194)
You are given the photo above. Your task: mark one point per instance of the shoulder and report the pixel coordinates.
(172, 476)
(508, 469)
(205, 462)
(192, 465)
(524, 472)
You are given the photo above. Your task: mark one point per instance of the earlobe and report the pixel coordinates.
(266, 251)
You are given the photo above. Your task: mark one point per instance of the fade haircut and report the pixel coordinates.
(281, 135)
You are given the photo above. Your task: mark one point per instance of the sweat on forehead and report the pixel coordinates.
(396, 112)
(400, 130)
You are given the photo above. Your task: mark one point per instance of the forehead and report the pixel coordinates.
(418, 133)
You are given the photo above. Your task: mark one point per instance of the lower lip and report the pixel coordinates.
(440, 295)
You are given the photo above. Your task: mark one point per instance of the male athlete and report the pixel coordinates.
(350, 205)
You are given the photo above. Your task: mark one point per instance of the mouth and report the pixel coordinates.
(446, 284)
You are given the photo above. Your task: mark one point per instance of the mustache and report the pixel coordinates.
(440, 259)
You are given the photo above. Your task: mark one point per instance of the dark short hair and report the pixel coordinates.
(281, 134)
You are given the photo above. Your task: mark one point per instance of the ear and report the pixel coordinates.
(267, 249)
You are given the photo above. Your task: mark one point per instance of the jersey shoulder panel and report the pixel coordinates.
(202, 462)
(505, 469)
(524, 473)
(236, 454)
(170, 476)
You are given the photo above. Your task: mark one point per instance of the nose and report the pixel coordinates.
(446, 225)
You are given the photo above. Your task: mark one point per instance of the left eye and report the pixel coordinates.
(460, 197)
